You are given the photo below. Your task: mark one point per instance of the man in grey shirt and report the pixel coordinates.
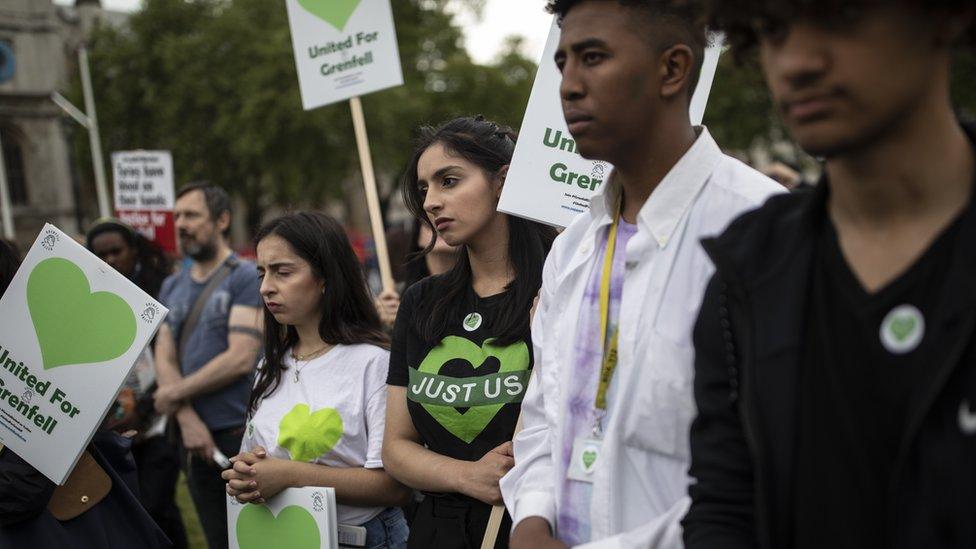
(205, 374)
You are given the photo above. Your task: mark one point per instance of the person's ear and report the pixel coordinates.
(223, 222)
(677, 63)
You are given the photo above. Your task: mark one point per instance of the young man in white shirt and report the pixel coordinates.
(603, 456)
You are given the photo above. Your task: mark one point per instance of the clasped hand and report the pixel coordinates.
(255, 477)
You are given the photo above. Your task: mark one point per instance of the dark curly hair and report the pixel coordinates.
(746, 21)
(683, 22)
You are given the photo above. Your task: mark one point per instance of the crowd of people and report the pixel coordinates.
(702, 360)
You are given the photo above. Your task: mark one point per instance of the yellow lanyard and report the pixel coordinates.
(610, 347)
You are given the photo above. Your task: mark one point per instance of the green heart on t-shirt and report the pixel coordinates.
(307, 436)
(294, 527)
(467, 426)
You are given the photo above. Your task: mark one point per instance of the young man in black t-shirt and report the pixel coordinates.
(835, 371)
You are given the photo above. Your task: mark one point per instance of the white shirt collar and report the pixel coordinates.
(673, 196)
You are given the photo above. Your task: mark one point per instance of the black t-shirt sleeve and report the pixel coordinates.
(403, 336)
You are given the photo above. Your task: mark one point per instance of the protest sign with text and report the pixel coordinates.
(144, 194)
(343, 49)
(71, 328)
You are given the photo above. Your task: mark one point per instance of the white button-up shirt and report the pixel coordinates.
(640, 486)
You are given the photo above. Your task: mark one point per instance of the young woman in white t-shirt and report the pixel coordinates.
(317, 412)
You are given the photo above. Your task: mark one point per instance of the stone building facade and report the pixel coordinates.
(38, 55)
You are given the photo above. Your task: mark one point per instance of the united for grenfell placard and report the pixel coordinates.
(71, 329)
(343, 48)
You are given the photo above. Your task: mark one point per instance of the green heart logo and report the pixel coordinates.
(589, 458)
(294, 528)
(307, 436)
(902, 327)
(74, 325)
(467, 426)
(333, 12)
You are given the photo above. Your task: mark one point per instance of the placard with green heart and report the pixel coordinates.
(308, 436)
(73, 324)
(294, 528)
(333, 12)
(467, 426)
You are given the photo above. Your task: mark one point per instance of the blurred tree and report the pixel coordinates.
(214, 81)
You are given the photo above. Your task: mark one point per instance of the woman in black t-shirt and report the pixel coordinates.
(462, 351)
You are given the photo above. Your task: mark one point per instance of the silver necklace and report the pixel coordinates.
(306, 358)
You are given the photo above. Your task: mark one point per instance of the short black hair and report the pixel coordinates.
(745, 21)
(685, 19)
(217, 199)
(109, 225)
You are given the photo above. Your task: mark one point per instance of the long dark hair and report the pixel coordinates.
(490, 147)
(349, 316)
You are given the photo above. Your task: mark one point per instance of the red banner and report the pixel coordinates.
(156, 226)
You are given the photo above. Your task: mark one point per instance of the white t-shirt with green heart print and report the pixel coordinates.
(333, 415)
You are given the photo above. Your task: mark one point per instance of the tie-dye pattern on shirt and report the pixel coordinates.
(573, 508)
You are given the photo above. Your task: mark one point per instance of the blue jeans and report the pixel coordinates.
(387, 530)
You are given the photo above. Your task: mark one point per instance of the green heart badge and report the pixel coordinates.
(472, 322)
(308, 436)
(589, 458)
(294, 528)
(468, 425)
(333, 12)
(902, 329)
(73, 324)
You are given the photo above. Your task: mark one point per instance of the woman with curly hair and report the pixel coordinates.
(835, 365)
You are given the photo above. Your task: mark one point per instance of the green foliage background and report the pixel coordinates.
(214, 81)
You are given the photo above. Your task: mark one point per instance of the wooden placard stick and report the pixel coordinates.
(498, 511)
(372, 197)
